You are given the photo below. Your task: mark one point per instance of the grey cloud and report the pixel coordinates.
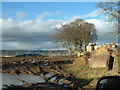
(29, 45)
(36, 34)
(28, 30)
(29, 34)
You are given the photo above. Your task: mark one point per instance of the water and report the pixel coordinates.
(61, 81)
(8, 79)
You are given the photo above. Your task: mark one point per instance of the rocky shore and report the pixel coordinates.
(40, 69)
(85, 66)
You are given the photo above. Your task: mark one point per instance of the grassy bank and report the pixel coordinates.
(85, 75)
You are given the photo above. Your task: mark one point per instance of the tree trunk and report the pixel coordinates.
(85, 47)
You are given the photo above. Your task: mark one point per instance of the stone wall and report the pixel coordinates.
(104, 56)
(92, 46)
(99, 56)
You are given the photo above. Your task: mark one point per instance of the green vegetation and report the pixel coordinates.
(86, 75)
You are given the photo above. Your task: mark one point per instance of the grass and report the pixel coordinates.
(86, 75)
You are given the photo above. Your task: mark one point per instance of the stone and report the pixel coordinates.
(12, 72)
(99, 58)
(37, 68)
(112, 43)
(113, 46)
(104, 45)
(99, 61)
(100, 46)
(96, 47)
(87, 54)
(90, 44)
(81, 61)
(78, 54)
(90, 48)
(66, 82)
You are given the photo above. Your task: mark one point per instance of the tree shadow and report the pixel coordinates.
(80, 82)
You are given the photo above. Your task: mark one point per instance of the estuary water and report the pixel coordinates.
(7, 79)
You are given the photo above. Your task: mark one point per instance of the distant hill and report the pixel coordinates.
(25, 55)
(29, 52)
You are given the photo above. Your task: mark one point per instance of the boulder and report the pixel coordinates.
(78, 54)
(99, 61)
(99, 58)
(81, 61)
(12, 72)
(90, 48)
(112, 43)
(96, 47)
(87, 54)
(67, 82)
(37, 68)
(24, 70)
(33, 69)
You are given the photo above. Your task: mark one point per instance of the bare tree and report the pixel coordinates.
(112, 10)
(75, 35)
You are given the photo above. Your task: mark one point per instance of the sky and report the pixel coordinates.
(31, 25)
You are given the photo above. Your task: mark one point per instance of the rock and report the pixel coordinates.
(112, 43)
(78, 54)
(90, 44)
(102, 50)
(99, 61)
(3, 71)
(87, 54)
(96, 47)
(67, 82)
(32, 69)
(37, 68)
(119, 64)
(81, 61)
(12, 72)
(114, 52)
(90, 48)
(26, 85)
(72, 85)
(99, 46)
(24, 70)
(99, 58)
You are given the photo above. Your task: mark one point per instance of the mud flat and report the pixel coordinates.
(53, 75)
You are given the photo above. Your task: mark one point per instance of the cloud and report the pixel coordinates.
(17, 33)
(95, 13)
(28, 30)
(0, 31)
(37, 33)
(46, 13)
(104, 29)
(21, 14)
(29, 45)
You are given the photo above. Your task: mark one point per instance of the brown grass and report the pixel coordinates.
(87, 74)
